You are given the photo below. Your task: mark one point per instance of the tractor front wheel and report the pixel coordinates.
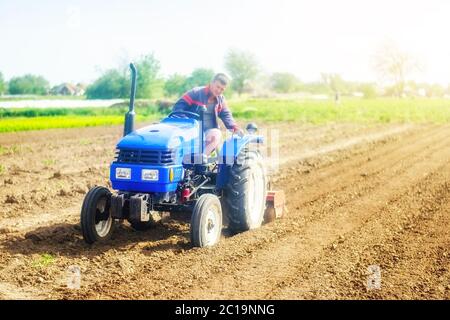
(96, 221)
(206, 221)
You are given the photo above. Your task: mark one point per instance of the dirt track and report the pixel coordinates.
(357, 196)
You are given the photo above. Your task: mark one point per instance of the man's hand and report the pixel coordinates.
(200, 108)
(238, 131)
(179, 116)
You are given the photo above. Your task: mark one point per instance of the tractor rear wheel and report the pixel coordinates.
(206, 221)
(96, 221)
(245, 193)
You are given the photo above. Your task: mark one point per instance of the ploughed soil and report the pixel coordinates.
(368, 218)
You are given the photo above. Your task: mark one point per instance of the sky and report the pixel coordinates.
(75, 41)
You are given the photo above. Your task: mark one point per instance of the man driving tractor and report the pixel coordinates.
(210, 96)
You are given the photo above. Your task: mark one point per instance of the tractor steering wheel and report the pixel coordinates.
(189, 114)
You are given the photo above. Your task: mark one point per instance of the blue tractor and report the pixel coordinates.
(161, 168)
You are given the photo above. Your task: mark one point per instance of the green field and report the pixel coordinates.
(40, 123)
(382, 110)
(40, 97)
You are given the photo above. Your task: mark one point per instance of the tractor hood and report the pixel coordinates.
(169, 134)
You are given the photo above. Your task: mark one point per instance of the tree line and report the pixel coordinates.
(247, 77)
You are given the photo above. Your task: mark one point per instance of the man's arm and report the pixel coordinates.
(225, 114)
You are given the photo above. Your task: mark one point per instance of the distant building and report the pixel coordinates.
(81, 89)
(68, 89)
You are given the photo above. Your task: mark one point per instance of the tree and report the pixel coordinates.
(395, 66)
(199, 77)
(313, 87)
(2, 84)
(175, 85)
(334, 82)
(112, 84)
(115, 83)
(368, 89)
(436, 90)
(179, 84)
(28, 84)
(433, 90)
(147, 82)
(242, 66)
(283, 82)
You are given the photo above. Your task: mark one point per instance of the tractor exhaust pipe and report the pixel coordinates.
(129, 116)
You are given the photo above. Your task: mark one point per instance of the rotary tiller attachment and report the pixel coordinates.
(275, 206)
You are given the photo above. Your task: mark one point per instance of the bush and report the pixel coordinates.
(112, 84)
(2, 84)
(116, 84)
(368, 90)
(175, 85)
(283, 82)
(28, 84)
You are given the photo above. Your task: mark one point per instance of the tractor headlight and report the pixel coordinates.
(150, 174)
(123, 173)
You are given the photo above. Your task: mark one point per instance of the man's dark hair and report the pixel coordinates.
(222, 78)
